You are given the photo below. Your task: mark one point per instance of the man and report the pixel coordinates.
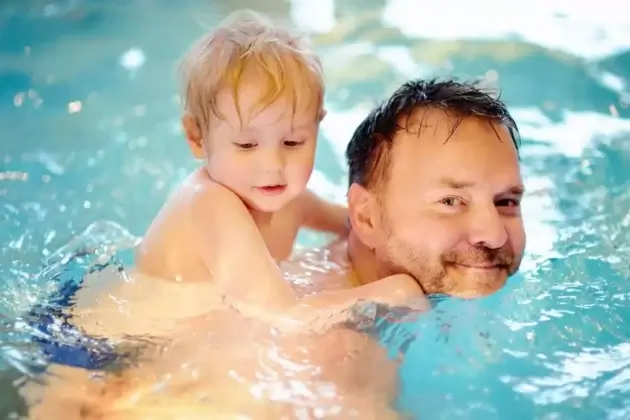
(435, 191)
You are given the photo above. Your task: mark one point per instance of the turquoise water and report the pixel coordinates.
(89, 132)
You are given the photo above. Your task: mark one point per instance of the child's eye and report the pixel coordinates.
(245, 146)
(293, 143)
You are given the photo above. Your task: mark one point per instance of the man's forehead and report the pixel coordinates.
(432, 146)
(505, 184)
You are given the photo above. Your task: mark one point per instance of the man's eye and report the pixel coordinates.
(452, 201)
(508, 202)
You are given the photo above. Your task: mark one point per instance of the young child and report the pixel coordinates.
(253, 100)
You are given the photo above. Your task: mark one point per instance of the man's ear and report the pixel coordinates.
(193, 136)
(364, 214)
(322, 114)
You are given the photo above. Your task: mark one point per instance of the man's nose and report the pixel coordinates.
(486, 228)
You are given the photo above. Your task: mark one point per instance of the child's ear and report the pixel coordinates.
(193, 136)
(322, 114)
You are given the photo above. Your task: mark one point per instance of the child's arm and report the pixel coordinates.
(321, 215)
(230, 245)
(398, 290)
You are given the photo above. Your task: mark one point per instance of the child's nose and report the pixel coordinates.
(273, 160)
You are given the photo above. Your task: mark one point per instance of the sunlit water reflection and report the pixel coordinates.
(88, 119)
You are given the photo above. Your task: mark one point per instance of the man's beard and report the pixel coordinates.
(432, 274)
(400, 258)
(480, 255)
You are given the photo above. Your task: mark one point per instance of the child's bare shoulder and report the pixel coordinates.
(189, 215)
(198, 192)
(207, 197)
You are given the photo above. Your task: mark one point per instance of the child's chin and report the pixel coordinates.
(267, 205)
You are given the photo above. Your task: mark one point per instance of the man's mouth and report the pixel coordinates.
(272, 189)
(481, 266)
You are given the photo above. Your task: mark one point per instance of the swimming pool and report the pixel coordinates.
(89, 132)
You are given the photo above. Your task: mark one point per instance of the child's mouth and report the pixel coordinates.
(272, 189)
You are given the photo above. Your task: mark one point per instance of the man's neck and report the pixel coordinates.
(362, 260)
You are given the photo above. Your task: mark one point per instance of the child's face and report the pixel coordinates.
(268, 159)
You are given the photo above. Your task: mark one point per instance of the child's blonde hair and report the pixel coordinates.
(245, 41)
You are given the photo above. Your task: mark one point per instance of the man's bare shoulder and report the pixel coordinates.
(319, 269)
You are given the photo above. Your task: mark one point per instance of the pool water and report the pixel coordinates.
(89, 133)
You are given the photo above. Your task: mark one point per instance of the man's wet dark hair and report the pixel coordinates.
(368, 150)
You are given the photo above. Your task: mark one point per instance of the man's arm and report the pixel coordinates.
(322, 215)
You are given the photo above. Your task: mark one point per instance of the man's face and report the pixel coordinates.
(450, 210)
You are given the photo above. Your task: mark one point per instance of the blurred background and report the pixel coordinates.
(89, 132)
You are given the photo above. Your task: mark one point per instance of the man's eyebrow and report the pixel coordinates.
(451, 183)
(454, 184)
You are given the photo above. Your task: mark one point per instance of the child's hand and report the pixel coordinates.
(322, 215)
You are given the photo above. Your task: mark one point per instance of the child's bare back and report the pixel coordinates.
(172, 246)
